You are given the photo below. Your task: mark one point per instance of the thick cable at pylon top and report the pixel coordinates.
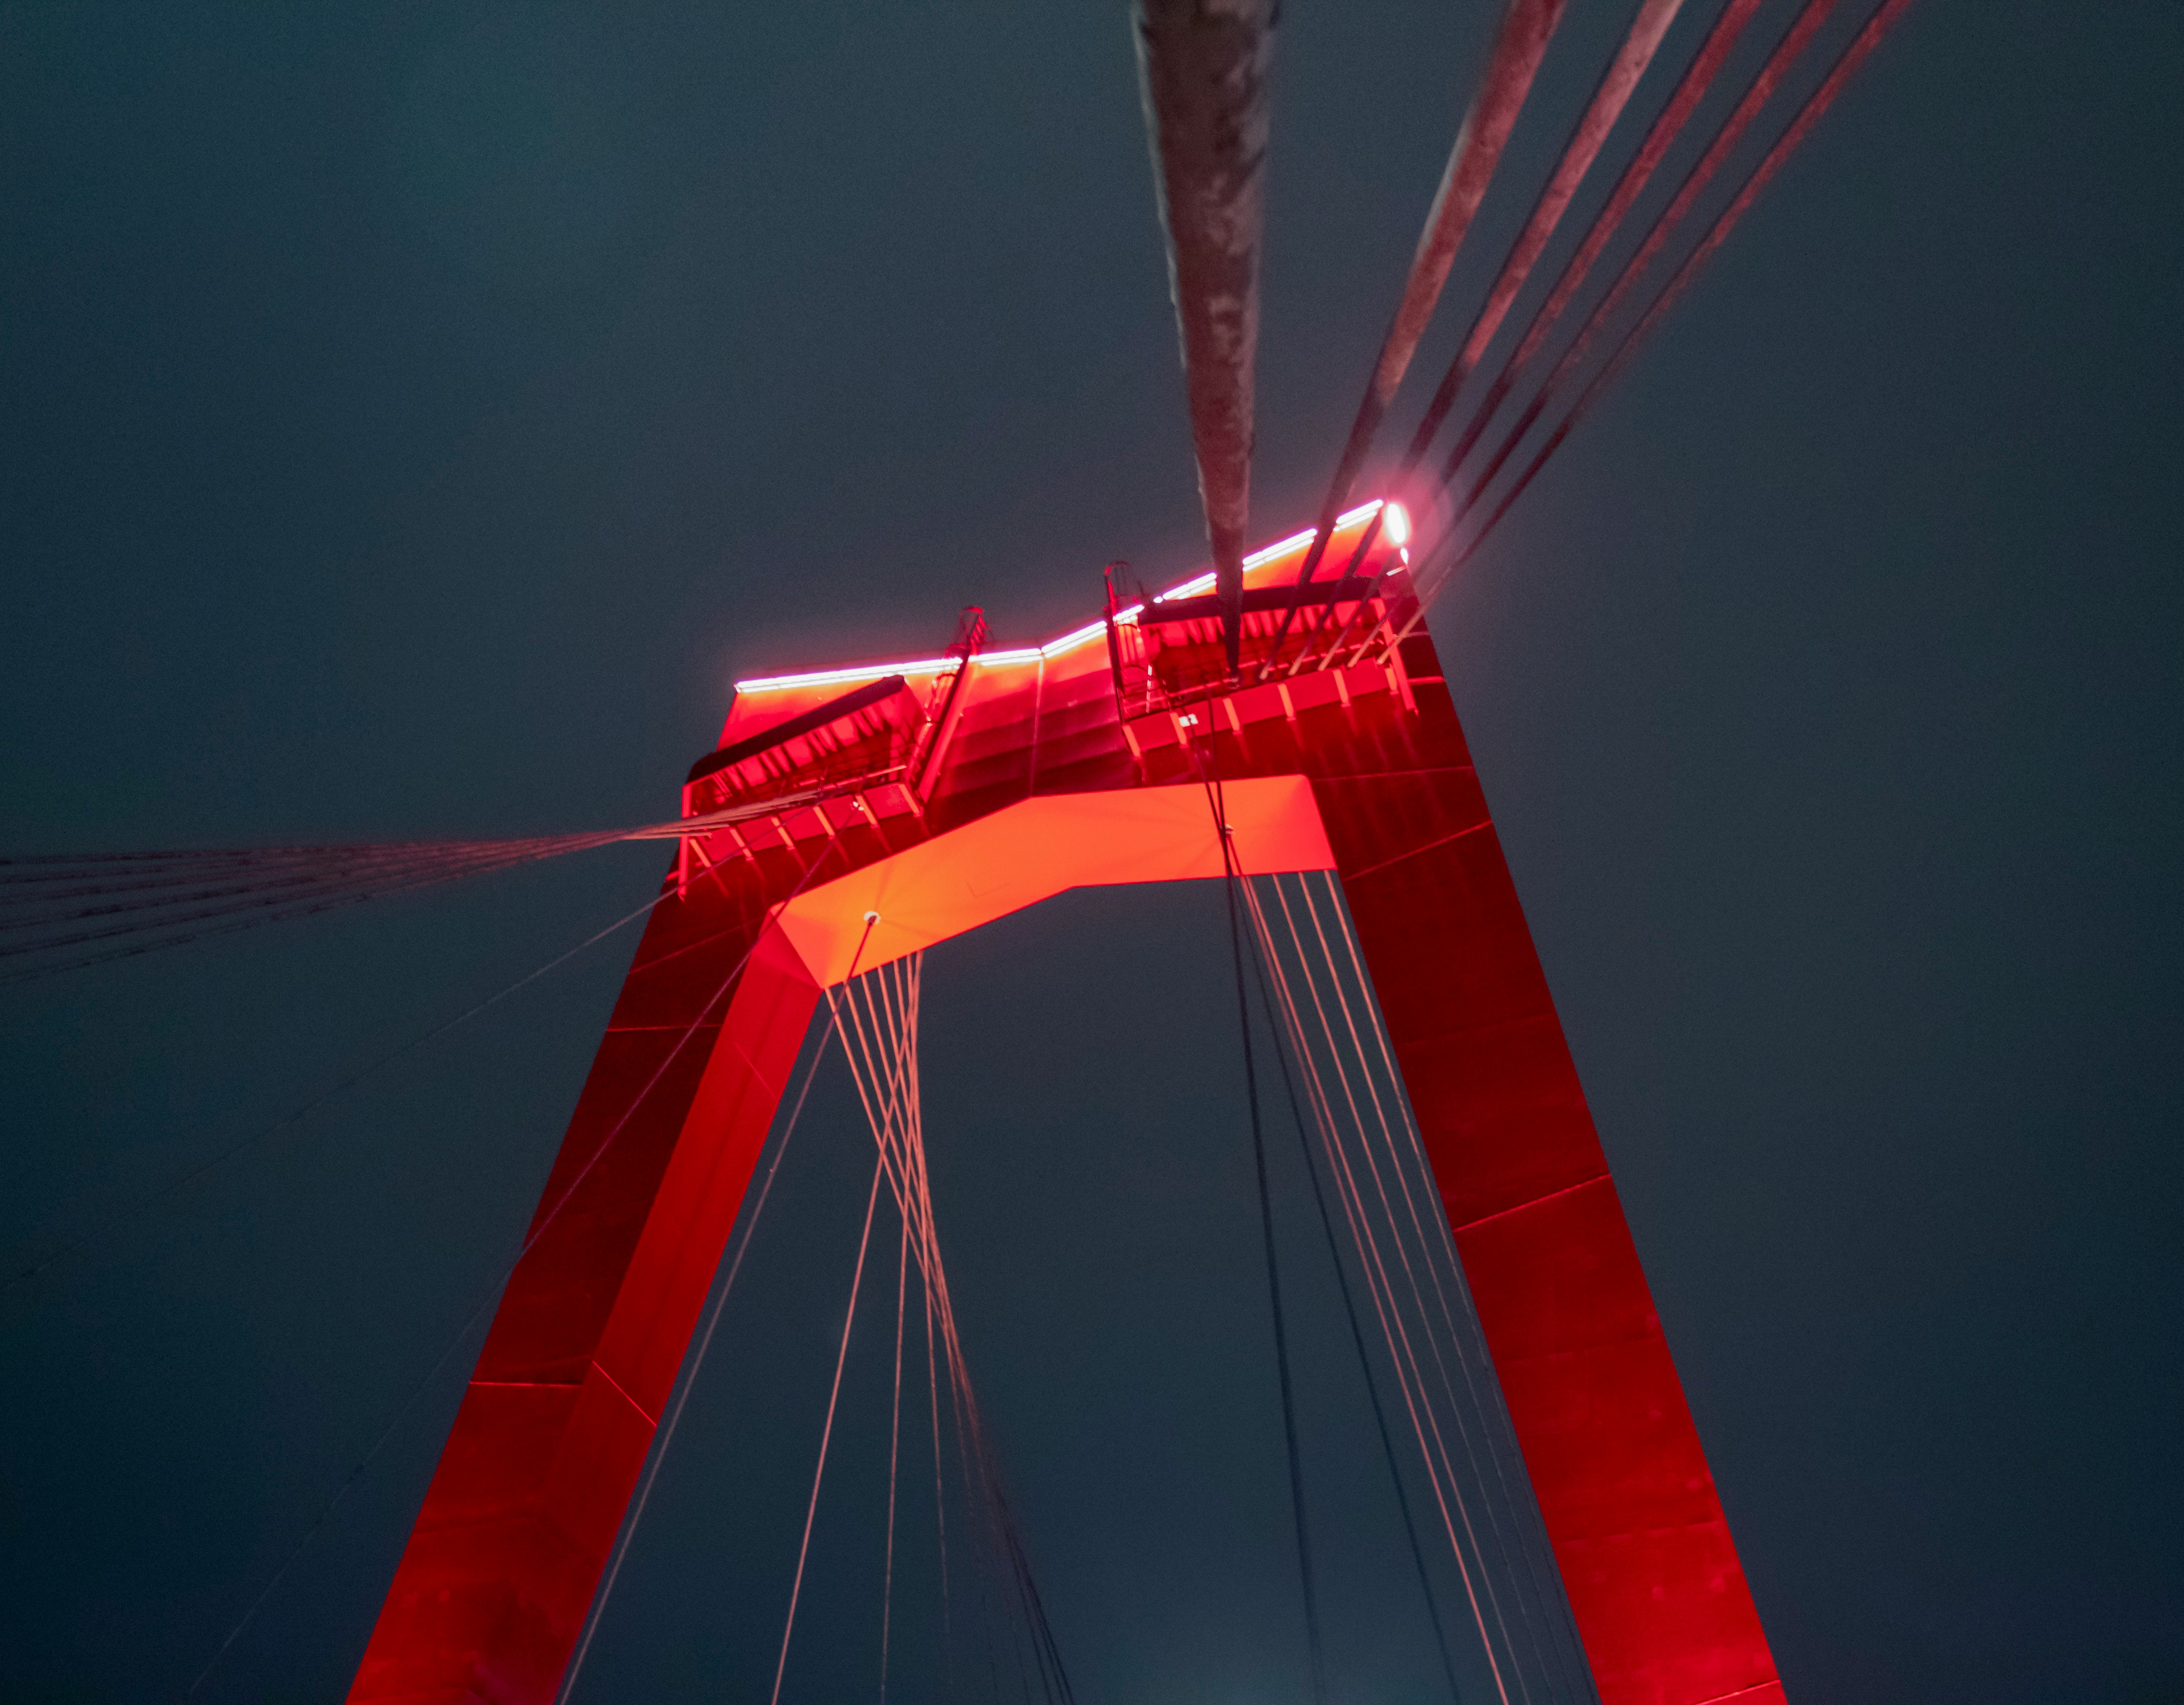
(1520, 43)
(1853, 54)
(1618, 81)
(1203, 69)
(1668, 125)
(1453, 550)
(1787, 51)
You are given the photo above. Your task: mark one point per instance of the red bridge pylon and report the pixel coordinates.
(942, 794)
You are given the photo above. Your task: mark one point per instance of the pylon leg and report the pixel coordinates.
(491, 1592)
(1652, 1576)
(493, 1586)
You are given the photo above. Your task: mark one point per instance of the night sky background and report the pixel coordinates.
(413, 419)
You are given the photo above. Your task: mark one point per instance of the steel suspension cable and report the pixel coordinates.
(1788, 51)
(1795, 39)
(189, 896)
(1216, 799)
(1340, 994)
(1728, 26)
(919, 1214)
(1698, 78)
(895, 1425)
(1520, 43)
(29, 896)
(1395, 1240)
(827, 1433)
(181, 1181)
(541, 1222)
(461, 1335)
(916, 1229)
(43, 902)
(1275, 1294)
(1004, 1534)
(1619, 81)
(895, 1453)
(1466, 1338)
(974, 1510)
(1439, 1472)
(939, 1498)
(888, 1089)
(1350, 1024)
(874, 1078)
(1492, 1418)
(196, 917)
(1003, 1548)
(1853, 54)
(1442, 1238)
(674, 1418)
(1259, 964)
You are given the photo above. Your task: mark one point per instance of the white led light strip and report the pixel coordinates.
(1054, 648)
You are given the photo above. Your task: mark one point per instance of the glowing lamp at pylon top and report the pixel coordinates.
(1396, 524)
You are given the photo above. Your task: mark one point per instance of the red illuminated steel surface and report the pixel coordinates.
(1033, 787)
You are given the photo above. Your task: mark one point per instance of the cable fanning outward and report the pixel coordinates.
(1438, 1249)
(180, 1181)
(1520, 43)
(1793, 43)
(66, 912)
(1667, 128)
(1501, 1658)
(689, 1379)
(1359, 1121)
(542, 1222)
(63, 911)
(876, 1017)
(1357, 1336)
(1618, 81)
(1550, 1653)
(1313, 1644)
(1456, 549)
(1615, 89)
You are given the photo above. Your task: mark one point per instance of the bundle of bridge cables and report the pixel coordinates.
(1519, 356)
(1634, 258)
(63, 911)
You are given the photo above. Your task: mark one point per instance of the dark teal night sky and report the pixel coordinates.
(412, 420)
